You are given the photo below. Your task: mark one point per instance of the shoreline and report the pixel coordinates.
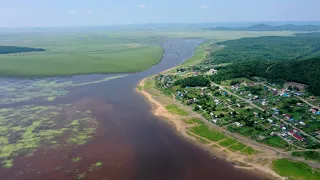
(246, 163)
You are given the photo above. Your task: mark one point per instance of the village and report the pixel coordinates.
(277, 116)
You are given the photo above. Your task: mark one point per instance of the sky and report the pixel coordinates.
(42, 13)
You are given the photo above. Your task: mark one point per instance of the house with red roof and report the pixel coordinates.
(287, 116)
(294, 135)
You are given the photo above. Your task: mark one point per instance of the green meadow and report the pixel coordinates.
(295, 170)
(72, 51)
(174, 109)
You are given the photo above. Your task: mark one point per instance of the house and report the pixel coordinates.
(314, 111)
(285, 95)
(302, 123)
(255, 97)
(236, 87)
(299, 104)
(215, 121)
(294, 135)
(211, 114)
(287, 116)
(238, 124)
(189, 101)
(270, 120)
(212, 71)
(195, 73)
(272, 133)
(275, 91)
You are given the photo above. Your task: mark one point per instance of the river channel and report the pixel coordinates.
(130, 141)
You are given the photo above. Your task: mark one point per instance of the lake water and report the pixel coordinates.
(132, 143)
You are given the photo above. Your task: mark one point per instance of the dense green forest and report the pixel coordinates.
(278, 59)
(301, 46)
(14, 49)
(301, 71)
(265, 27)
(193, 81)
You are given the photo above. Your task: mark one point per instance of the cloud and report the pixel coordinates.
(143, 6)
(72, 12)
(204, 7)
(88, 12)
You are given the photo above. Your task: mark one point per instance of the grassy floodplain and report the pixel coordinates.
(295, 170)
(71, 51)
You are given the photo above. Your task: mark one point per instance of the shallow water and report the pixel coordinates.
(130, 141)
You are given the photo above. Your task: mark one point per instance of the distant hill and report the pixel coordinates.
(15, 49)
(265, 27)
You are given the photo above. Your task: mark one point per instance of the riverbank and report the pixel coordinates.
(258, 162)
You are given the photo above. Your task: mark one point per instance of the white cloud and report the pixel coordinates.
(143, 6)
(204, 7)
(88, 12)
(72, 12)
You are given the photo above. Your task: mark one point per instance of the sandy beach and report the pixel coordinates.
(259, 163)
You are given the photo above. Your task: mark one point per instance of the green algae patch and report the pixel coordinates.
(46, 89)
(51, 98)
(96, 166)
(25, 129)
(76, 159)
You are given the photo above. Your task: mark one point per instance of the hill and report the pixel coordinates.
(265, 27)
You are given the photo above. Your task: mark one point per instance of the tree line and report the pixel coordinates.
(15, 49)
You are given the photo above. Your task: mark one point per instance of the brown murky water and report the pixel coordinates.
(131, 142)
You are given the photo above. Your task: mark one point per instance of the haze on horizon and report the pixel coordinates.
(31, 13)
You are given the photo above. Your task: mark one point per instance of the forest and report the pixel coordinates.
(193, 81)
(272, 48)
(15, 49)
(279, 59)
(301, 71)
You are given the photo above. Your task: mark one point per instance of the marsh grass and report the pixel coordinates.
(129, 59)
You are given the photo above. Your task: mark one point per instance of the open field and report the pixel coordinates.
(308, 155)
(71, 51)
(295, 170)
(176, 110)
